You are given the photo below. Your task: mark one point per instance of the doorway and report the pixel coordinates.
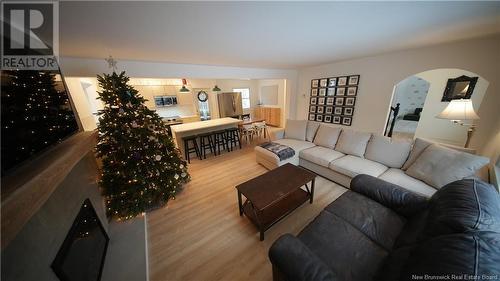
(407, 105)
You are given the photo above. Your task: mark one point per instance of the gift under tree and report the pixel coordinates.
(141, 167)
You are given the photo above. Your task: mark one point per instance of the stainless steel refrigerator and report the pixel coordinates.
(230, 105)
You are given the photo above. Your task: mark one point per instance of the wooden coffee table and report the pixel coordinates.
(275, 194)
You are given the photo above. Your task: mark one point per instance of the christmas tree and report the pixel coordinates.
(36, 113)
(142, 168)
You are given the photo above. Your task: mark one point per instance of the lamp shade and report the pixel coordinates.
(459, 110)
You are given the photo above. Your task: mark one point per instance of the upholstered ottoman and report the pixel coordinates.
(270, 160)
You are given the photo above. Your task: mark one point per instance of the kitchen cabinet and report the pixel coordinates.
(272, 115)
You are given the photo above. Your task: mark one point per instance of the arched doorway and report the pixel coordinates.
(429, 126)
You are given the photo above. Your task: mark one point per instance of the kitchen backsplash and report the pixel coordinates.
(178, 110)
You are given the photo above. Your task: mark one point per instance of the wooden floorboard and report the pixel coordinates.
(200, 235)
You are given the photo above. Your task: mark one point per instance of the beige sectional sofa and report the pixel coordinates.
(340, 154)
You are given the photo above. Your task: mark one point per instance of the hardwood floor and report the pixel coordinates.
(200, 235)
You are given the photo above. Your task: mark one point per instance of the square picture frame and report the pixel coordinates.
(352, 91)
(348, 111)
(340, 91)
(337, 111)
(336, 119)
(329, 109)
(315, 83)
(332, 82)
(312, 117)
(320, 109)
(346, 121)
(322, 92)
(350, 101)
(312, 109)
(331, 91)
(330, 100)
(339, 101)
(328, 119)
(342, 81)
(314, 100)
(353, 80)
(319, 118)
(314, 92)
(323, 82)
(321, 100)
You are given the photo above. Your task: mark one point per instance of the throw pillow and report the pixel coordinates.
(312, 128)
(327, 136)
(388, 152)
(438, 165)
(296, 129)
(353, 143)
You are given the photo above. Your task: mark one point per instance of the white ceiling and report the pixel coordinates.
(265, 34)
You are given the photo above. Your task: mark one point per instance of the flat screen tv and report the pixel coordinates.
(36, 114)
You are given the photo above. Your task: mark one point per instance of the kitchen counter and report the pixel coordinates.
(200, 127)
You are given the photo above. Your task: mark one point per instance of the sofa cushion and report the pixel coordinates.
(397, 176)
(348, 252)
(353, 142)
(311, 129)
(296, 129)
(296, 145)
(320, 155)
(351, 166)
(327, 136)
(421, 144)
(388, 152)
(464, 206)
(379, 223)
(438, 165)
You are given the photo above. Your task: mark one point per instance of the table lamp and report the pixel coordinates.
(461, 112)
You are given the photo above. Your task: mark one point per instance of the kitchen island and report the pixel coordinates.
(200, 127)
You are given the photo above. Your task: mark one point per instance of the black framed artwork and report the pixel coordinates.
(323, 82)
(333, 99)
(340, 91)
(332, 82)
(346, 121)
(350, 101)
(330, 101)
(459, 88)
(353, 80)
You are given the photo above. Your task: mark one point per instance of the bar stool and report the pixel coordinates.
(220, 139)
(233, 137)
(206, 142)
(188, 150)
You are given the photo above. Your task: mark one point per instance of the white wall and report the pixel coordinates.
(380, 73)
(282, 96)
(442, 130)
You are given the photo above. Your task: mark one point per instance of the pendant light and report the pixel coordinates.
(216, 89)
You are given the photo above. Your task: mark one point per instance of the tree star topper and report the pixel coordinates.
(111, 63)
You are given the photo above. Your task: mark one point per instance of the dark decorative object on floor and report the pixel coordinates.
(459, 88)
(82, 254)
(142, 168)
(36, 114)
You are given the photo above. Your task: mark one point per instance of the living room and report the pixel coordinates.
(253, 141)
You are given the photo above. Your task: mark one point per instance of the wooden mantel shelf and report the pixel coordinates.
(27, 189)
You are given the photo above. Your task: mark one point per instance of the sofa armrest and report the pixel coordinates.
(296, 262)
(277, 134)
(400, 200)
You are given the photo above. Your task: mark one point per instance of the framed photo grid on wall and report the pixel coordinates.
(332, 99)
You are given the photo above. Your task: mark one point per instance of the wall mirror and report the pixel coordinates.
(459, 88)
